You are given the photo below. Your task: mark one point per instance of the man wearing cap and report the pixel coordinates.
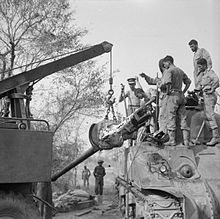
(207, 83)
(99, 173)
(133, 100)
(171, 84)
(199, 53)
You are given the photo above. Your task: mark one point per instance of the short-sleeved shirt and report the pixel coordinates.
(133, 100)
(176, 77)
(208, 79)
(99, 171)
(199, 54)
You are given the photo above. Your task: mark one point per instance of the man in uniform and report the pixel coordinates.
(85, 176)
(133, 100)
(99, 173)
(207, 83)
(199, 53)
(150, 125)
(162, 96)
(171, 84)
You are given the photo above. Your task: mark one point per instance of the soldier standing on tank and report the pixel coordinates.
(171, 84)
(145, 97)
(162, 96)
(207, 83)
(99, 173)
(199, 53)
(133, 100)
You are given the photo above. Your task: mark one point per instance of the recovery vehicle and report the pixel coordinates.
(26, 153)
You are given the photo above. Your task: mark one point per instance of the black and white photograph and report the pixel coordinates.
(109, 109)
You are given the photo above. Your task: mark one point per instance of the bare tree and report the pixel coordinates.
(32, 30)
(78, 90)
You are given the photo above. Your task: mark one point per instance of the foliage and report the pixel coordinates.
(32, 30)
(66, 153)
(70, 96)
(79, 91)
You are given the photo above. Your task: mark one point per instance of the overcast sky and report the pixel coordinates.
(143, 31)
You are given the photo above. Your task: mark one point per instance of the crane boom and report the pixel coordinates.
(55, 66)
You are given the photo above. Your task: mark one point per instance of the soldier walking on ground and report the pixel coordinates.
(85, 177)
(99, 173)
(199, 53)
(171, 84)
(208, 81)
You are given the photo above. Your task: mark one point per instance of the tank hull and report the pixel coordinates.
(197, 191)
(178, 182)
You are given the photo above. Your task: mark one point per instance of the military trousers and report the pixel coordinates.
(210, 101)
(175, 108)
(162, 113)
(99, 183)
(86, 182)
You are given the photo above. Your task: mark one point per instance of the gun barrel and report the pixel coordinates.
(92, 150)
(73, 164)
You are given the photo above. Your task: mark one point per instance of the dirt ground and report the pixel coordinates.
(102, 211)
(97, 212)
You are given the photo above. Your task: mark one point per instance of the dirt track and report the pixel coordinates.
(102, 211)
(97, 212)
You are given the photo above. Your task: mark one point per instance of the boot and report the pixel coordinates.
(214, 139)
(172, 140)
(185, 137)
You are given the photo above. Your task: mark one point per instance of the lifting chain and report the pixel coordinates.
(110, 100)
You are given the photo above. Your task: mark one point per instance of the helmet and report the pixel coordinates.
(100, 161)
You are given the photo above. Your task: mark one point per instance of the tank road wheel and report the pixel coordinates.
(17, 207)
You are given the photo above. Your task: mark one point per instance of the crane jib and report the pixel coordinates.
(55, 66)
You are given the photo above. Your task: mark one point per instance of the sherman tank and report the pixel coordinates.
(167, 182)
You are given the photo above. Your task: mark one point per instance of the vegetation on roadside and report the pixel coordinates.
(34, 32)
